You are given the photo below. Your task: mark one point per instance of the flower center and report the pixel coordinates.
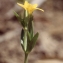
(30, 9)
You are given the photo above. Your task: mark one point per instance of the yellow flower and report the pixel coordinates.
(29, 7)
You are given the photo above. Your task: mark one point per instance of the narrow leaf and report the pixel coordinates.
(22, 34)
(22, 44)
(30, 26)
(16, 14)
(32, 43)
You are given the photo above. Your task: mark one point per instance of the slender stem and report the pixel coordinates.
(25, 34)
(26, 55)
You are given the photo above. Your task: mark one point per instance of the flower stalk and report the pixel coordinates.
(28, 39)
(26, 56)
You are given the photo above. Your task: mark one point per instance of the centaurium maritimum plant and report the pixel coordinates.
(28, 39)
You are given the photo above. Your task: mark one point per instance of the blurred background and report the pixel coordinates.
(49, 24)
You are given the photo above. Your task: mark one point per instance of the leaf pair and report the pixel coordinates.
(30, 42)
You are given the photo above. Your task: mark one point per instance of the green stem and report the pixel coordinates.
(25, 60)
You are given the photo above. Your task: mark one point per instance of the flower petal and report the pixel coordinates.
(35, 5)
(26, 3)
(40, 9)
(20, 5)
(29, 7)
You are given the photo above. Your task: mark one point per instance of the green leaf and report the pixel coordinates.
(20, 19)
(16, 14)
(22, 34)
(28, 36)
(22, 38)
(32, 43)
(22, 44)
(34, 39)
(30, 26)
(23, 23)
